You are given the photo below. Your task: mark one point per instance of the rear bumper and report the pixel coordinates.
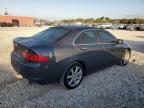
(33, 71)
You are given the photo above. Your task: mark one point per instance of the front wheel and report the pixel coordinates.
(73, 76)
(125, 59)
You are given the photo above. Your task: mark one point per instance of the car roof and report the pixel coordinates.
(76, 27)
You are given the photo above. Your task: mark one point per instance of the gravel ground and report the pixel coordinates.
(112, 87)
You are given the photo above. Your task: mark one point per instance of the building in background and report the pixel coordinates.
(16, 21)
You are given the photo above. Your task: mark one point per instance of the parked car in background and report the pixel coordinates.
(67, 54)
(122, 26)
(118, 26)
(115, 26)
(130, 27)
(141, 28)
(133, 27)
(97, 26)
(137, 27)
(103, 26)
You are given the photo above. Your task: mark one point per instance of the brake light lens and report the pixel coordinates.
(34, 57)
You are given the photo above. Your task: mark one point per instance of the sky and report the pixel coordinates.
(74, 8)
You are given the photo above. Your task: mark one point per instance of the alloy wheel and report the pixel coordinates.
(73, 75)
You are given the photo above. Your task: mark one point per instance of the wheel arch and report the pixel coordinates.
(83, 65)
(80, 62)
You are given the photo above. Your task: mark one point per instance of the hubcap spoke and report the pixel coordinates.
(75, 81)
(79, 72)
(76, 70)
(70, 82)
(72, 70)
(78, 78)
(69, 77)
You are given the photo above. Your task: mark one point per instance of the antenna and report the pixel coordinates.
(6, 13)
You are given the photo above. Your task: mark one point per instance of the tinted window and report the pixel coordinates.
(87, 37)
(51, 35)
(106, 37)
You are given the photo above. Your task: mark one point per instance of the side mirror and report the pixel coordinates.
(119, 41)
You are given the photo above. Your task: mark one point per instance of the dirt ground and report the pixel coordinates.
(112, 87)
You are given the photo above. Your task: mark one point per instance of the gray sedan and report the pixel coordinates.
(66, 54)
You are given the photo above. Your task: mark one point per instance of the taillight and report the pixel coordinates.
(34, 57)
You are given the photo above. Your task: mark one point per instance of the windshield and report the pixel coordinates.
(51, 35)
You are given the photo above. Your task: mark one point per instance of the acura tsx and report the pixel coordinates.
(67, 54)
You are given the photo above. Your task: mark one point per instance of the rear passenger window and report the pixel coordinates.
(87, 37)
(106, 37)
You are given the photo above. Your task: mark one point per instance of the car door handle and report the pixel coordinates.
(84, 48)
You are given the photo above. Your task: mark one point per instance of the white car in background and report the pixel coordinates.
(104, 26)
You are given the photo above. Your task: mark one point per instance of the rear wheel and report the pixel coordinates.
(73, 76)
(125, 59)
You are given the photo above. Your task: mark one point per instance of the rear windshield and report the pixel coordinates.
(51, 34)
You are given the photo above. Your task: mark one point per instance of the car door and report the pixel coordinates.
(110, 46)
(91, 51)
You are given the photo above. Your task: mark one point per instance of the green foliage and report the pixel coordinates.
(105, 20)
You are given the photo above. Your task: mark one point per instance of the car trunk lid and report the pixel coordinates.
(25, 43)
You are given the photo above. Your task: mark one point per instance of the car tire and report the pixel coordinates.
(73, 75)
(125, 59)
